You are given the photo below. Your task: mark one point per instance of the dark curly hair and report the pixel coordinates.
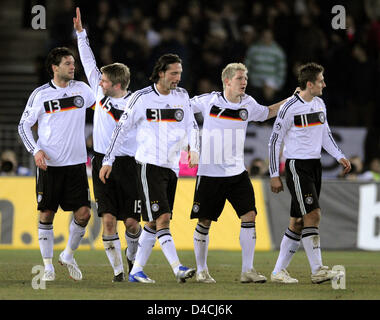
(162, 64)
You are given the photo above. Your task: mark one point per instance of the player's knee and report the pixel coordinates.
(312, 218)
(248, 217)
(296, 225)
(151, 225)
(132, 225)
(82, 216)
(204, 222)
(109, 223)
(163, 221)
(47, 216)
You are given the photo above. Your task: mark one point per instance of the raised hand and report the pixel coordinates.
(77, 21)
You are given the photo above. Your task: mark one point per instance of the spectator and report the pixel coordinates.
(266, 63)
(361, 83)
(9, 165)
(61, 31)
(258, 168)
(373, 173)
(310, 42)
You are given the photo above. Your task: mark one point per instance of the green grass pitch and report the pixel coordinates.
(362, 278)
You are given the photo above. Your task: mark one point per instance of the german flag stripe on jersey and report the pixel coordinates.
(106, 104)
(229, 114)
(164, 115)
(63, 104)
(309, 119)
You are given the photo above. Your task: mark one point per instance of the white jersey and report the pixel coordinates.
(61, 116)
(303, 128)
(224, 130)
(108, 110)
(165, 125)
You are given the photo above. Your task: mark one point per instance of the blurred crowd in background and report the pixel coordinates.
(272, 37)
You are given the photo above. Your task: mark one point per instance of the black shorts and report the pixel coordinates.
(65, 186)
(303, 178)
(157, 187)
(211, 194)
(119, 195)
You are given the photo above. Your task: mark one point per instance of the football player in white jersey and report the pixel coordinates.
(117, 199)
(302, 126)
(165, 124)
(59, 108)
(221, 173)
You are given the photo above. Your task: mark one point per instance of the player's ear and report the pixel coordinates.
(54, 68)
(226, 82)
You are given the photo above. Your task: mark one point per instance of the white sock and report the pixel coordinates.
(201, 241)
(289, 246)
(312, 244)
(46, 241)
(76, 233)
(112, 247)
(132, 243)
(167, 246)
(146, 243)
(247, 242)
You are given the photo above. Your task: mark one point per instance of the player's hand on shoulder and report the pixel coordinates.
(77, 21)
(40, 159)
(276, 185)
(104, 173)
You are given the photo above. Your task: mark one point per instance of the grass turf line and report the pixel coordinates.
(362, 278)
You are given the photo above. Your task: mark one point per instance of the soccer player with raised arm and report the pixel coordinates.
(118, 198)
(59, 108)
(165, 125)
(221, 173)
(302, 127)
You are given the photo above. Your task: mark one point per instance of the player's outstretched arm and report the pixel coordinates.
(273, 109)
(86, 55)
